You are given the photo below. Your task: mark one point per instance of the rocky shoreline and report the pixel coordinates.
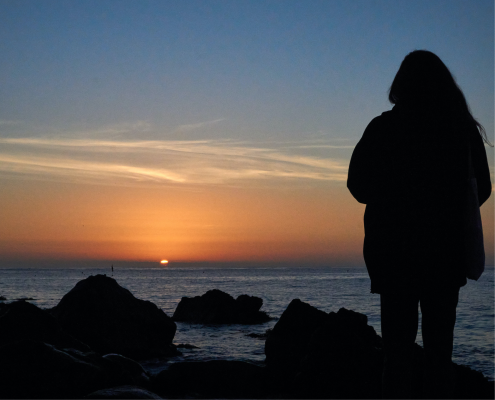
(89, 345)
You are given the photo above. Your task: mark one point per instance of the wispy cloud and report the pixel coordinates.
(71, 167)
(160, 161)
(9, 122)
(323, 146)
(198, 125)
(113, 131)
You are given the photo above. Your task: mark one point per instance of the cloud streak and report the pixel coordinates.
(165, 161)
(9, 122)
(192, 127)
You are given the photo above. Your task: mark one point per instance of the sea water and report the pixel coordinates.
(327, 289)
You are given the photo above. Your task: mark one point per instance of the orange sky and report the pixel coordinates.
(297, 221)
(200, 224)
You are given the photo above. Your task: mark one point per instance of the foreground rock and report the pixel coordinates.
(20, 320)
(309, 354)
(318, 355)
(123, 392)
(129, 371)
(101, 313)
(212, 379)
(217, 307)
(312, 354)
(33, 369)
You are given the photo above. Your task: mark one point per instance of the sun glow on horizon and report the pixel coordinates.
(164, 262)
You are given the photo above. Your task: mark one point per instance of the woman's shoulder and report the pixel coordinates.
(383, 122)
(384, 116)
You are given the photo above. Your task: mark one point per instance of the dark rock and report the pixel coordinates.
(20, 320)
(33, 369)
(212, 379)
(259, 335)
(130, 370)
(2, 298)
(186, 346)
(106, 316)
(308, 346)
(214, 306)
(123, 392)
(358, 324)
(256, 335)
(248, 304)
(311, 354)
(286, 345)
(217, 307)
(471, 384)
(345, 350)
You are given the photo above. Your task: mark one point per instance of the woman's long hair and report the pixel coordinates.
(424, 83)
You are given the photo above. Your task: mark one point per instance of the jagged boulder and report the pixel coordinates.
(312, 354)
(106, 316)
(471, 384)
(345, 348)
(217, 307)
(129, 370)
(21, 320)
(123, 392)
(33, 369)
(315, 354)
(212, 379)
(287, 343)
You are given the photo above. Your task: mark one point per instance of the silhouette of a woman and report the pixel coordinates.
(410, 168)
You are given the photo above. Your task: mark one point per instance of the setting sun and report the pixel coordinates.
(164, 262)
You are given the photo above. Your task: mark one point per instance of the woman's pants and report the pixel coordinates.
(399, 320)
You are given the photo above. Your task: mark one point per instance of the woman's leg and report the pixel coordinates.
(399, 320)
(438, 309)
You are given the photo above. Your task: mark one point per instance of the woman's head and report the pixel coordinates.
(424, 83)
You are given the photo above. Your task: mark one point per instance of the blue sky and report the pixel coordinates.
(268, 69)
(199, 95)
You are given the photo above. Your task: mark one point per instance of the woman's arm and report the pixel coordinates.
(362, 168)
(480, 165)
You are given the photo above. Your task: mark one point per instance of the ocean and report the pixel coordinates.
(327, 289)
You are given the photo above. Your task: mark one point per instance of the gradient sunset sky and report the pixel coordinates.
(209, 130)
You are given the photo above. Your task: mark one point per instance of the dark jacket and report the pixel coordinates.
(411, 172)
